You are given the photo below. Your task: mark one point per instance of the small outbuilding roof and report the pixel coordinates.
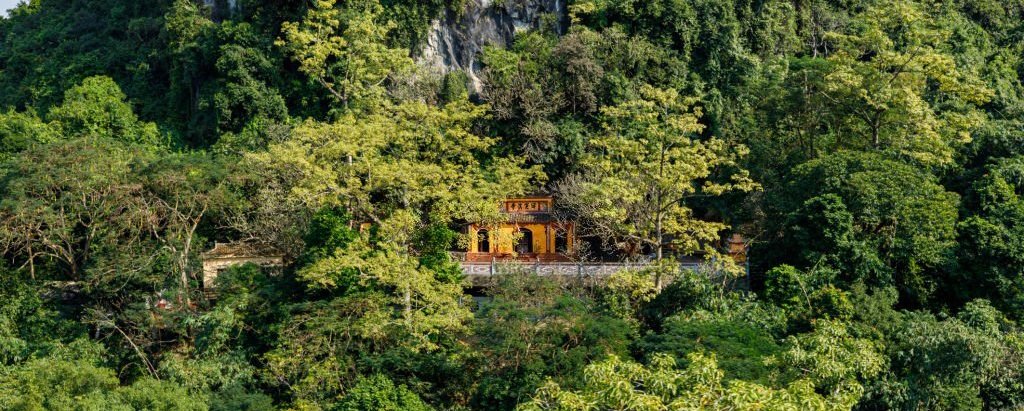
(242, 249)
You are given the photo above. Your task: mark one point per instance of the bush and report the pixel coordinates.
(741, 348)
(377, 392)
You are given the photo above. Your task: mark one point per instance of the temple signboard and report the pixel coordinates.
(528, 205)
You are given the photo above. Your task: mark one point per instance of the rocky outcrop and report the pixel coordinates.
(456, 40)
(221, 9)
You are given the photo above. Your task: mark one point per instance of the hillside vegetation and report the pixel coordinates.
(870, 151)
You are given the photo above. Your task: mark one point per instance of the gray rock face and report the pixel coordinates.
(221, 8)
(456, 40)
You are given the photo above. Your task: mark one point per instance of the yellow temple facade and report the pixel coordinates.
(530, 232)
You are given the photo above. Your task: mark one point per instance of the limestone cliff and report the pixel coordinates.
(221, 9)
(456, 40)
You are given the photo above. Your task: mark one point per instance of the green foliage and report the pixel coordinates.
(627, 291)
(990, 239)
(545, 91)
(835, 361)
(97, 108)
(29, 325)
(244, 90)
(886, 135)
(958, 363)
(343, 49)
(787, 286)
(226, 74)
(50, 46)
(73, 378)
(377, 392)
(641, 172)
(235, 398)
(454, 87)
(54, 191)
(741, 349)
(385, 311)
(698, 296)
(530, 331)
(414, 156)
(155, 395)
(807, 295)
(433, 243)
(329, 229)
(883, 72)
(53, 383)
(618, 384)
(20, 131)
(412, 19)
(872, 219)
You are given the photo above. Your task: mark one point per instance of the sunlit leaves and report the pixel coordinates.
(97, 108)
(834, 360)
(882, 78)
(645, 167)
(415, 156)
(617, 384)
(343, 49)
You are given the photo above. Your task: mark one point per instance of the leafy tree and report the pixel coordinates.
(412, 19)
(413, 157)
(741, 349)
(871, 219)
(97, 108)
(188, 190)
(343, 49)
(626, 292)
(807, 295)
(967, 362)
(530, 331)
(544, 91)
(330, 229)
(990, 239)
(835, 361)
(433, 242)
(77, 212)
(883, 73)
(56, 384)
(73, 378)
(50, 46)
(887, 135)
(428, 306)
(22, 130)
(327, 344)
(237, 399)
(618, 384)
(156, 395)
(246, 80)
(641, 172)
(377, 392)
(66, 203)
(702, 297)
(397, 314)
(30, 326)
(226, 74)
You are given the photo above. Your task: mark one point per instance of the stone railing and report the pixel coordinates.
(582, 270)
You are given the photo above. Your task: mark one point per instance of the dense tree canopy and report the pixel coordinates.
(868, 153)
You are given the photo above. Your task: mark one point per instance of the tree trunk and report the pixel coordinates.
(408, 303)
(659, 236)
(875, 126)
(31, 262)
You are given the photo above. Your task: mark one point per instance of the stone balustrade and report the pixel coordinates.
(482, 272)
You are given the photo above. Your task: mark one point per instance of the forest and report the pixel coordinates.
(871, 153)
